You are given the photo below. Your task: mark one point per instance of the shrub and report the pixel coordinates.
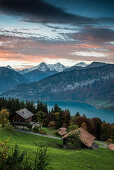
(72, 127)
(4, 117)
(14, 161)
(9, 127)
(109, 141)
(36, 129)
(42, 132)
(3, 150)
(42, 161)
(29, 126)
(84, 126)
(52, 124)
(105, 131)
(73, 141)
(20, 161)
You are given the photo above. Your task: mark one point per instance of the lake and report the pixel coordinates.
(82, 108)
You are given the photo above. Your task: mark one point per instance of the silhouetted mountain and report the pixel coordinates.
(79, 67)
(37, 75)
(96, 64)
(10, 78)
(92, 84)
(74, 68)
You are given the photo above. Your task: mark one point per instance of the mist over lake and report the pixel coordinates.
(89, 110)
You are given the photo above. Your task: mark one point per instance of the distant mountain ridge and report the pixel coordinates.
(90, 84)
(82, 65)
(9, 78)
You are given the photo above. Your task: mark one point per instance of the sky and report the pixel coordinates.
(51, 31)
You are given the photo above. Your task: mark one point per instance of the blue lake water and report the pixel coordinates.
(82, 108)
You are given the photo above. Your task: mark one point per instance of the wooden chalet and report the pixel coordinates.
(87, 140)
(22, 115)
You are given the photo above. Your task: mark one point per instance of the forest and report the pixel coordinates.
(57, 118)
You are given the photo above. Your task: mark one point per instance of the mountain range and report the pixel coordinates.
(91, 83)
(42, 70)
(9, 78)
(58, 67)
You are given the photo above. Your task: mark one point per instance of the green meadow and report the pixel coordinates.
(61, 159)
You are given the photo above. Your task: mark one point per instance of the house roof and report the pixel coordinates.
(85, 137)
(111, 146)
(63, 128)
(24, 113)
(62, 131)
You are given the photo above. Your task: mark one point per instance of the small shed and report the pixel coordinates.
(111, 146)
(86, 138)
(22, 115)
(62, 131)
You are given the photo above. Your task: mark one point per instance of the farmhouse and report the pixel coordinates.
(22, 115)
(62, 131)
(87, 140)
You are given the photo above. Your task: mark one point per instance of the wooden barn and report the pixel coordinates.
(87, 140)
(22, 115)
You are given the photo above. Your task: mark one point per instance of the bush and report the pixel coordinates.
(42, 132)
(29, 126)
(42, 161)
(4, 117)
(72, 127)
(20, 161)
(36, 129)
(14, 161)
(3, 150)
(105, 131)
(52, 124)
(9, 127)
(109, 141)
(73, 141)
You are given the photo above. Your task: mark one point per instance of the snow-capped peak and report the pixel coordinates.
(81, 64)
(42, 67)
(57, 67)
(46, 67)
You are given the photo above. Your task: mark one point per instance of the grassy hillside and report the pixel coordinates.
(62, 159)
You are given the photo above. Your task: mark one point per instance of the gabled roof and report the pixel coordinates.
(63, 128)
(111, 146)
(24, 113)
(62, 131)
(85, 137)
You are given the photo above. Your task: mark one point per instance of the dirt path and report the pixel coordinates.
(38, 134)
(101, 144)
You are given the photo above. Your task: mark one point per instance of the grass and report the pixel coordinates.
(61, 159)
(49, 131)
